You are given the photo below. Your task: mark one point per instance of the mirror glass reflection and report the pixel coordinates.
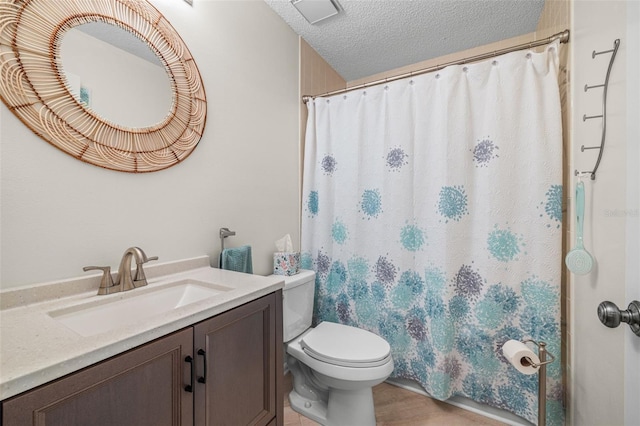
(116, 75)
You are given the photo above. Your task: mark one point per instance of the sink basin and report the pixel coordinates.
(133, 306)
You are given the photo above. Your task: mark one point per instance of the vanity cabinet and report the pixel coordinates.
(143, 386)
(226, 370)
(240, 383)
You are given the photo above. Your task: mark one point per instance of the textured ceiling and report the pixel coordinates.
(372, 36)
(121, 39)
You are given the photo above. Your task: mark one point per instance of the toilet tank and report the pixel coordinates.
(297, 303)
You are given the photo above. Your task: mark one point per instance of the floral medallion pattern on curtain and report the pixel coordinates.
(432, 211)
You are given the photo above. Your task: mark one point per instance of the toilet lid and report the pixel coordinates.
(346, 346)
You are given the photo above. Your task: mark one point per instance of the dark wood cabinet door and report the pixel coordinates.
(243, 350)
(145, 386)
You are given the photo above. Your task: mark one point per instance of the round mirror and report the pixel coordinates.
(36, 84)
(116, 75)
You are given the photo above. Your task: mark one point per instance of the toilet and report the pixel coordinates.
(334, 366)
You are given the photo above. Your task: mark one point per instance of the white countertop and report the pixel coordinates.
(35, 348)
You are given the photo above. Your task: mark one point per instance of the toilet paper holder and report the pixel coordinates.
(542, 354)
(542, 376)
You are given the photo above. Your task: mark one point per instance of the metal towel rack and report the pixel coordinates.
(603, 116)
(224, 233)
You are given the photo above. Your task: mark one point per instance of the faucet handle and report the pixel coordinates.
(142, 256)
(106, 283)
(140, 279)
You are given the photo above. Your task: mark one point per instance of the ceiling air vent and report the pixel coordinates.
(316, 10)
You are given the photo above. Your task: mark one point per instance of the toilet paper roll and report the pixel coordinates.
(515, 352)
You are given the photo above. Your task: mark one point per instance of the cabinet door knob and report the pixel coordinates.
(203, 354)
(611, 316)
(189, 387)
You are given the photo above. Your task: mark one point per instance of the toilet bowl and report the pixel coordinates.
(334, 366)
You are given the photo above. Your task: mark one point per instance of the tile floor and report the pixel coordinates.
(399, 407)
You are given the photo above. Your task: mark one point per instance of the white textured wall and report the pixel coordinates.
(598, 359)
(59, 214)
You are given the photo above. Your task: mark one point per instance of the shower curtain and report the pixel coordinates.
(432, 211)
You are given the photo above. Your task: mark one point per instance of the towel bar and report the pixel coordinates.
(224, 233)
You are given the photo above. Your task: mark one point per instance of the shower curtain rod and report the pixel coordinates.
(563, 37)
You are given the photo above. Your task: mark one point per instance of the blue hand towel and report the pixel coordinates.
(237, 259)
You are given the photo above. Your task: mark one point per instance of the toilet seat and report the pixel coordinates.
(345, 346)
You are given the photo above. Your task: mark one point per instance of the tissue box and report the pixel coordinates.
(286, 263)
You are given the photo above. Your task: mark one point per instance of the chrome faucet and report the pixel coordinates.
(124, 281)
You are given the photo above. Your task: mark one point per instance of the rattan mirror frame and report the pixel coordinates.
(34, 88)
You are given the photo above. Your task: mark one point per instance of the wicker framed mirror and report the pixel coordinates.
(34, 87)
